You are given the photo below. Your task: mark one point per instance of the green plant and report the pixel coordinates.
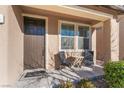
(67, 84)
(114, 74)
(84, 83)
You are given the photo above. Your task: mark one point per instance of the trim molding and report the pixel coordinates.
(76, 24)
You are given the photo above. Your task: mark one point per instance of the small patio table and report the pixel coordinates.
(78, 61)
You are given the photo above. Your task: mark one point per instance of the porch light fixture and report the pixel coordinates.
(1, 19)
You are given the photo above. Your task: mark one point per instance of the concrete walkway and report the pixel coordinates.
(54, 76)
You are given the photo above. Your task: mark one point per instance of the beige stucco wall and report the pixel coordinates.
(106, 37)
(53, 42)
(114, 41)
(94, 43)
(15, 45)
(11, 47)
(101, 41)
(107, 41)
(121, 38)
(3, 47)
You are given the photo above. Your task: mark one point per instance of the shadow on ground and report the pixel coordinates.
(54, 76)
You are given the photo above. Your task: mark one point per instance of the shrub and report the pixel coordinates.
(67, 84)
(114, 74)
(83, 83)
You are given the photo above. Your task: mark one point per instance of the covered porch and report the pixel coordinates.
(101, 34)
(97, 38)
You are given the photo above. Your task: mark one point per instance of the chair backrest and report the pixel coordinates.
(62, 56)
(88, 55)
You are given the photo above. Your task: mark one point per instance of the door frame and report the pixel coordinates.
(45, 36)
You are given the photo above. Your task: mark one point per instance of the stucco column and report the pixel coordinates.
(114, 39)
(94, 39)
(94, 44)
(121, 36)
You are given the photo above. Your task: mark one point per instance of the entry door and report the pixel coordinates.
(34, 43)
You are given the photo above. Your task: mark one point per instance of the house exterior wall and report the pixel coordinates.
(11, 43)
(121, 37)
(4, 47)
(106, 53)
(11, 47)
(94, 43)
(107, 41)
(114, 41)
(101, 41)
(15, 44)
(53, 42)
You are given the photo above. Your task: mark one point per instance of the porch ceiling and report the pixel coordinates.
(68, 11)
(61, 16)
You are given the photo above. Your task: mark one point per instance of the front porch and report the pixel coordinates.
(54, 77)
(71, 32)
(62, 30)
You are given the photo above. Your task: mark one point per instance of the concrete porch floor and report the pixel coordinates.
(54, 76)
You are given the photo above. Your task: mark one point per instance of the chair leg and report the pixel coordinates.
(61, 66)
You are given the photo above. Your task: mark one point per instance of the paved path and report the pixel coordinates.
(55, 75)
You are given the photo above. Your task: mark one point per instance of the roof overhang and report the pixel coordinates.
(74, 10)
(109, 9)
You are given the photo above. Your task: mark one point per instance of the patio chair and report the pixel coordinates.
(63, 60)
(88, 57)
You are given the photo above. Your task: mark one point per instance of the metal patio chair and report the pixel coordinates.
(88, 57)
(63, 60)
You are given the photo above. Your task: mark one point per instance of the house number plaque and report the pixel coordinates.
(1, 19)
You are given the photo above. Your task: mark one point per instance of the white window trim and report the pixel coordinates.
(75, 37)
(70, 37)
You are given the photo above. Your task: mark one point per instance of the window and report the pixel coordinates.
(83, 37)
(34, 26)
(74, 33)
(67, 36)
